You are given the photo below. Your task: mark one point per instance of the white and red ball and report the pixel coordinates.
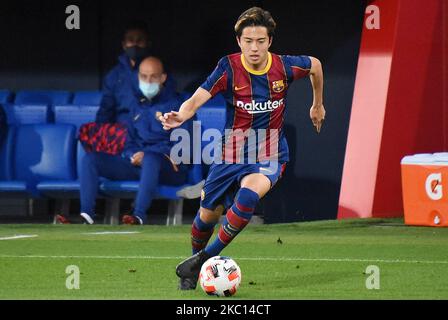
(220, 276)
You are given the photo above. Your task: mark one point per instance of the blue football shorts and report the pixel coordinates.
(223, 181)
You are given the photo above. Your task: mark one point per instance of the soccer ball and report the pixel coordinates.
(220, 276)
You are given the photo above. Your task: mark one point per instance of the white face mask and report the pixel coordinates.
(149, 90)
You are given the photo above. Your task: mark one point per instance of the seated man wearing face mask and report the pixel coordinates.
(117, 85)
(146, 151)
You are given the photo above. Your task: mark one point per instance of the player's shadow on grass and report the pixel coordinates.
(319, 279)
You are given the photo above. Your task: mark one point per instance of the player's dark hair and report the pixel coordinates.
(255, 17)
(137, 25)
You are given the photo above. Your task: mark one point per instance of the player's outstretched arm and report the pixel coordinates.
(317, 111)
(187, 110)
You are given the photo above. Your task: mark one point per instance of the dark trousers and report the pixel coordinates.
(155, 169)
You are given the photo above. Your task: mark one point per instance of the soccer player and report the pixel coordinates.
(254, 83)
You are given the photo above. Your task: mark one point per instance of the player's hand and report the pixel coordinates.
(317, 115)
(171, 120)
(137, 158)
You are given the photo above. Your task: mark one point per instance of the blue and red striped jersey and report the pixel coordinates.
(257, 99)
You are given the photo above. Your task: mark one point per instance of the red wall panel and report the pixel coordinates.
(398, 105)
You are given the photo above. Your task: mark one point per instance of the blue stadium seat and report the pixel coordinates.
(87, 98)
(184, 95)
(34, 102)
(74, 114)
(212, 117)
(63, 188)
(6, 159)
(8, 108)
(30, 114)
(6, 96)
(3, 125)
(217, 101)
(43, 97)
(40, 152)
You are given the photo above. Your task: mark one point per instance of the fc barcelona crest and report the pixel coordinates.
(278, 86)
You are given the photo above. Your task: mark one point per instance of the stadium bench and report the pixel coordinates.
(47, 97)
(36, 106)
(63, 190)
(75, 114)
(35, 153)
(31, 114)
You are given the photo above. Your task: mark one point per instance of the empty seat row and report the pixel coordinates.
(36, 114)
(38, 106)
(50, 97)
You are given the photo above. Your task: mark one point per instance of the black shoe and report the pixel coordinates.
(190, 267)
(188, 283)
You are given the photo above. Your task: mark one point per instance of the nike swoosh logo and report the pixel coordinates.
(240, 88)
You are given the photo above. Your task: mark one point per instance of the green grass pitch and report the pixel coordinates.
(313, 260)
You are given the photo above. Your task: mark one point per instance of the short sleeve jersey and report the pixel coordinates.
(256, 99)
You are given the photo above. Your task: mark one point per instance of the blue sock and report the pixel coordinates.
(200, 233)
(237, 217)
